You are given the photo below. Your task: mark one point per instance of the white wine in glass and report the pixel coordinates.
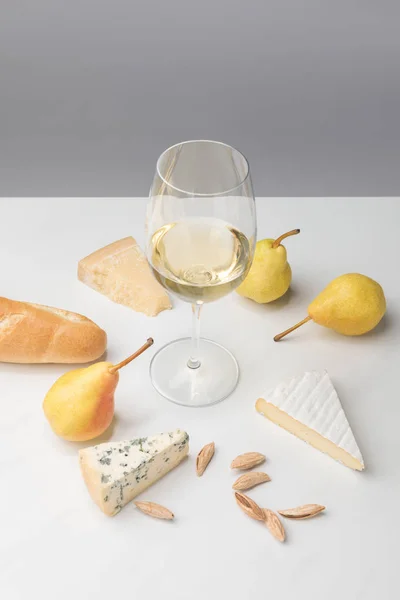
(201, 233)
(214, 262)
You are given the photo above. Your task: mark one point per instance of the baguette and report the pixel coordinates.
(33, 333)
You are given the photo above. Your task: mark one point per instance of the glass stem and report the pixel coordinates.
(194, 362)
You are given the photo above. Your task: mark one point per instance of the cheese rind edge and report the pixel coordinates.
(306, 434)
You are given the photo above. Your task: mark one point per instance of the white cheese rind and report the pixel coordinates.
(117, 472)
(312, 401)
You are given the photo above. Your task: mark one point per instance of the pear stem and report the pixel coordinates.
(278, 337)
(278, 240)
(116, 368)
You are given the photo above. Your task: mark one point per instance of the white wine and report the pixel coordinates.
(200, 259)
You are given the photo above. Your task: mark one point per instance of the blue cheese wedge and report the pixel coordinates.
(309, 407)
(117, 472)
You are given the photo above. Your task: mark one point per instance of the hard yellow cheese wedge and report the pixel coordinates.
(121, 272)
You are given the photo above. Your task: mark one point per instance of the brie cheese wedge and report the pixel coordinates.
(309, 407)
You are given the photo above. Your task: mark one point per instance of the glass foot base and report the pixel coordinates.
(212, 382)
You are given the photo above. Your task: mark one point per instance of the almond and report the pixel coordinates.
(250, 507)
(249, 480)
(302, 512)
(204, 457)
(155, 510)
(248, 460)
(273, 523)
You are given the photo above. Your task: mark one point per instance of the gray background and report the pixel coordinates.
(91, 92)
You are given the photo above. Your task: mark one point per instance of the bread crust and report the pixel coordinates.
(35, 333)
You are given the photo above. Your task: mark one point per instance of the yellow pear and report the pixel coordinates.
(351, 304)
(80, 404)
(270, 273)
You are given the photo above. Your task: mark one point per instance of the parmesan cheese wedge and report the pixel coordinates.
(121, 272)
(309, 407)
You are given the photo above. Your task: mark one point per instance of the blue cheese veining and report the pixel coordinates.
(117, 472)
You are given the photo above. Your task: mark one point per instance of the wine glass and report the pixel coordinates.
(200, 241)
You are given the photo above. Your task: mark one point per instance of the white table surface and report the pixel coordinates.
(55, 543)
